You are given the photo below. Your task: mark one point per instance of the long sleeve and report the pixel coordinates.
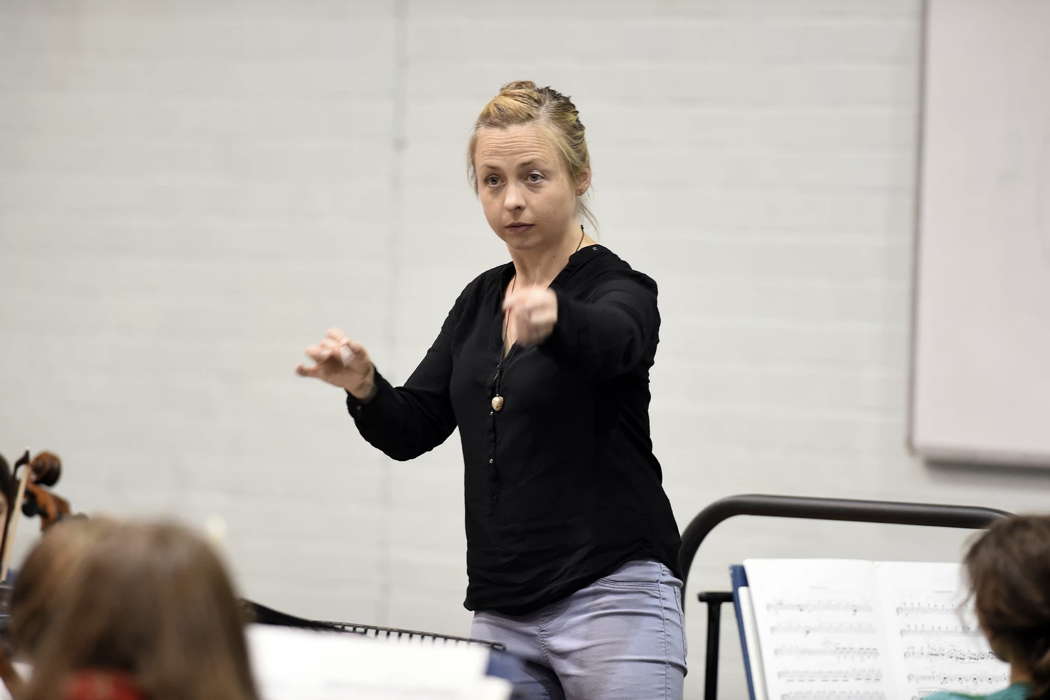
(611, 332)
(404, 422)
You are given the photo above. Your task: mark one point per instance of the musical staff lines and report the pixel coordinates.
(958, 680)
(818, 606)
(949, 652)
(839, 651)
(833, 695)
(848, 675)
(908, 608)
(938, 630)
(817, 627)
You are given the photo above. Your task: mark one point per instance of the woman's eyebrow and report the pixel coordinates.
(531, 162)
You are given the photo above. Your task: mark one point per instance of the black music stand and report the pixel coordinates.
(842, 509)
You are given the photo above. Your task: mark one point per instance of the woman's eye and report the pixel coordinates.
(535, 177)
(492, 180)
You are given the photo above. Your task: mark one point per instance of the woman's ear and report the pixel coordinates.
(583, 182)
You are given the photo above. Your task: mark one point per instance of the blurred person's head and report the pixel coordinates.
(149, 607)
(1008, 567)
(48, 567)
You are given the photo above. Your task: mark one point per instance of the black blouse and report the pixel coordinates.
(562, 486)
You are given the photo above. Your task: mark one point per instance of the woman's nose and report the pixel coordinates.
(513, 198)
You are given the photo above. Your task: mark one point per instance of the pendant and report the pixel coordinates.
(497, 403)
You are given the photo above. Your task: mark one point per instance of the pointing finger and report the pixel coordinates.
(543, 317)
(521, 324)
(345, 354)
(355, 347)
(512, 300)
(317, 353)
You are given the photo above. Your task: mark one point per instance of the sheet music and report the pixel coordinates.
(820, 630)
(754, 646)
(295, 664)
(863, 630)
(936, 644)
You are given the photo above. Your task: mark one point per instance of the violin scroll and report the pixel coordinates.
(44, 471)
(46, 468)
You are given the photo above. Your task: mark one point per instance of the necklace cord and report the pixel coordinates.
(497, 399)
(514, 281)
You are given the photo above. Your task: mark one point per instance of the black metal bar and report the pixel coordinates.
(888, 512)
(262, 614)
(411, 635)
(714, 601)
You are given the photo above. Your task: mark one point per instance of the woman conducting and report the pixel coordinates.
(543, 365)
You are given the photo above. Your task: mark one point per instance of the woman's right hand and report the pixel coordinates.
(343, 363)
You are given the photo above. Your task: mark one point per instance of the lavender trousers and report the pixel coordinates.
(620, 638)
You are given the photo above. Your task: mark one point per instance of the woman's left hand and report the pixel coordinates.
(531, 314)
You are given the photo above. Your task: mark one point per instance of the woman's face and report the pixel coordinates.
(525, 189)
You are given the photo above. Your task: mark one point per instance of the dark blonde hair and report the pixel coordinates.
(1008, 567)
(44, 571)
(521, 102)
(151, 600)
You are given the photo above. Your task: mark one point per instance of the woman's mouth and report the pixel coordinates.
(518, 227)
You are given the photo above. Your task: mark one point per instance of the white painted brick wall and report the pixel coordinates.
(191, 193)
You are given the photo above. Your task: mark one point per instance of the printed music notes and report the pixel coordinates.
(817, 628)
(833, 695)
(830, 629)
(933, 636)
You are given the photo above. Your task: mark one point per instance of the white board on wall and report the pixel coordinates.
(981, 355)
